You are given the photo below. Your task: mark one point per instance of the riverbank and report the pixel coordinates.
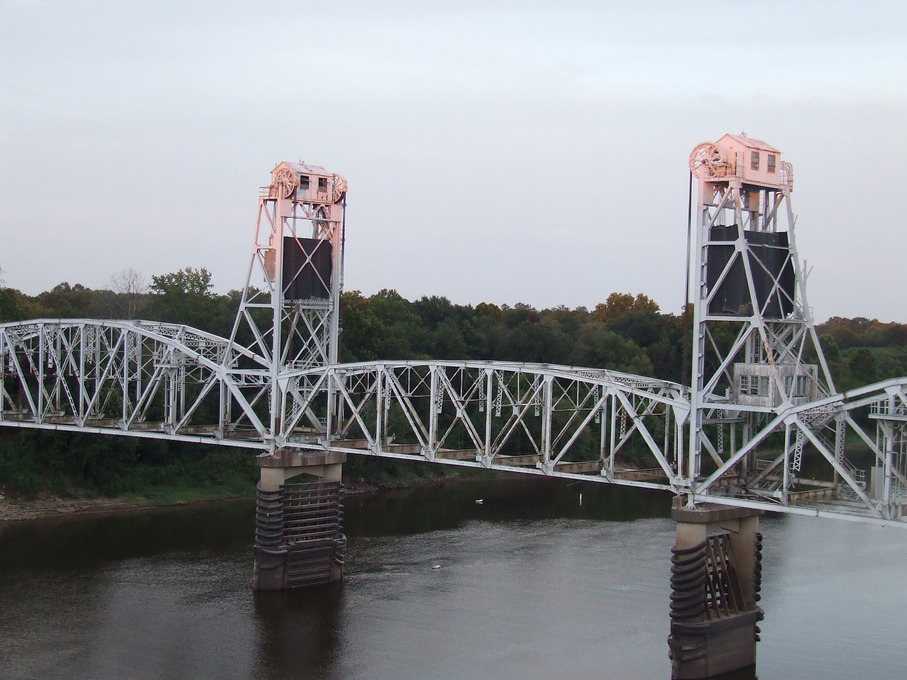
(46, 505)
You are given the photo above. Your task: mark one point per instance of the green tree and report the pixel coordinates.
(15, 306)
(598, 347)
(76, 301)
(862, 366)
(399, 327)
(184, 297)
(536, 343)
(361, 328)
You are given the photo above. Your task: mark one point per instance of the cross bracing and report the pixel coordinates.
(131, 377)
(168, 381)
(542, 419)
(762, 425)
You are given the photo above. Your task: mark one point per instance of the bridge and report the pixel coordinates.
(760, 428)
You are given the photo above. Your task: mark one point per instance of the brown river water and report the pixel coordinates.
(531, 583)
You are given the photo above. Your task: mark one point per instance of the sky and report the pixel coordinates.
(498, 151)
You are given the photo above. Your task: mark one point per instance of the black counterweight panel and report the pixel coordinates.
(772, 267)
(307, 268)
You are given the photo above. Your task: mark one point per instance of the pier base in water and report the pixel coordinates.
(299, 537)
(715, 581)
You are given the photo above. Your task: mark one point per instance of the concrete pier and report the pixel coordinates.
(715, 582)
(299, 540)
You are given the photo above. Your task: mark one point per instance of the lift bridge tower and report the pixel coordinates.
(755, 347)
(288, 319)
(755, 355)
(289, 312)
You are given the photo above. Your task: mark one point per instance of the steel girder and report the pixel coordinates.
(173, 382)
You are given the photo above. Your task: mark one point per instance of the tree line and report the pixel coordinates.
(626, 332)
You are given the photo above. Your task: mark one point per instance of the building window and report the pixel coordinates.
(322, 184)
(754, 160)
(770, 163)
(749, 384)
(304, 183)
(754, 385)
(797, 386)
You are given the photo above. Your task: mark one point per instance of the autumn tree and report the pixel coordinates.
(620, 304)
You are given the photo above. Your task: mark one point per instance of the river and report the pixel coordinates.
(533, 582)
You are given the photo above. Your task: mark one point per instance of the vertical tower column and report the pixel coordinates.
(288, 318)
(288, 325)
(299, 538)
(754, 338)
(715, 581)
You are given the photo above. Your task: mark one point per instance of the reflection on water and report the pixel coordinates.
(529, 583)
(299, 632)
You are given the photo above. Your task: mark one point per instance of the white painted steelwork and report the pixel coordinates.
(289, 311)
(763, 426)
(138, 378)
(762, 394)
(542, 419)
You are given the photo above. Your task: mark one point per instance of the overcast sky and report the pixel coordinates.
(496, 151)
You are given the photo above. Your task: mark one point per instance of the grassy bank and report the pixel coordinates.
(46, 473)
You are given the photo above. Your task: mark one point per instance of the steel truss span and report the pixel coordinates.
(134, 378)
(540, 419)
(799, 459)
(610, 427)
(167, 381)
(761, 426)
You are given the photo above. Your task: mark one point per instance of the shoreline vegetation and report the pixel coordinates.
(47, 506)
(44, 504)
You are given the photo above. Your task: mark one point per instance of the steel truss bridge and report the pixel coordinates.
(760, 428)
(165, 381)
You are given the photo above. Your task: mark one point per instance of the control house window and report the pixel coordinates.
(754, 160)
(754, 385)
(770, 162)
(749, 385)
